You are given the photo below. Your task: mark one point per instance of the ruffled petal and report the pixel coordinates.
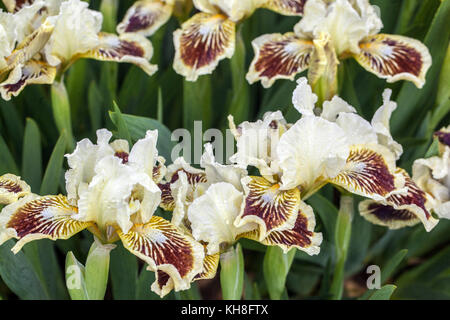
(212, 216)
(34, 217)
(268, 206)
(32, 72)
(210, 265)
(12, 188)
(127, 47)
(300, 236)
(394, 58)
(369, 172)
(286, 7)
(310, 152)
(201, 43)
(400, 210)
(145, 17)
(279, 56)
(176, 258)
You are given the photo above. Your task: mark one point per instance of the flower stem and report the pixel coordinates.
(232, 273)
(342, 241)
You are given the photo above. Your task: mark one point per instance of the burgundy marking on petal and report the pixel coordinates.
(163, 278)
(125, 48)
(122, 155)
(444, 137)
(198, 49)
(267, 202)
(167, 200)
(388, 213)
(414, 196)
(294, 6)
(140, 21)
(10, 186)
(373, 178)
(402, 57)
(298, 236)
(275, 59)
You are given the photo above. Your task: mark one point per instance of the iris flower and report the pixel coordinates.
(331, 31)
(147, 16)
(112, 192)
(209, 36)
(333, 145)
(43, 38)
(432, 176)
(208, 202)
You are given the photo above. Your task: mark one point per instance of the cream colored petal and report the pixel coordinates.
(12, 188)
(237, 10)
(145, 17)
(394, 58)
(357, 129)
(286, 7)
(82, 163)
(213, 214)
(303, 99)
(125, 48)
(279, 56)
(32, 72)
(144, 154)
(34, 217)
(174, 257)
(257, 141)
(312, 150)
(76, 32)
(332, 108)
(380, 123)
(201, 43)
(116, 193)
(216, 172)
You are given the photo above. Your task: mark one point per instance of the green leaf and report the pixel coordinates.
(124, 274)
(145, 280)
(32, 156)
(276, 268)
(95, 101)
(412, 102)
(139, 125)
(384, 293)
(97, 269)
(118, 119)
(19, 275)
(197, 102)
(232, 273)
(61, 111)
(7, 163)
(75, 278)
(54, 169)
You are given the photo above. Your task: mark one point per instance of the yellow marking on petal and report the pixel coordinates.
(279, 57)
(210, 265)
(167, 251)
(203, 41)
(32, 72)
(146, 17)
(49, 217)
(268, 206)
(368, 172)
(395, 57)
(12, 188)
(286, 7)
(127, 48)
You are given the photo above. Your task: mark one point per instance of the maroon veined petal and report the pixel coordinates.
(12, 188)
(34, 217)
(128, 48)
(201, 43)
(145, 17)
(369, 172)
(16, 5)
(286, 7)
(443, 136)
(394, 58)
(210, 265)
(175, 257)
(32, 72)
(268, 206)
(300, 236)
(279, 56)
(400, 209)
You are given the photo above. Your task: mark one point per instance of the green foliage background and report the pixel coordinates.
(33, 146)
